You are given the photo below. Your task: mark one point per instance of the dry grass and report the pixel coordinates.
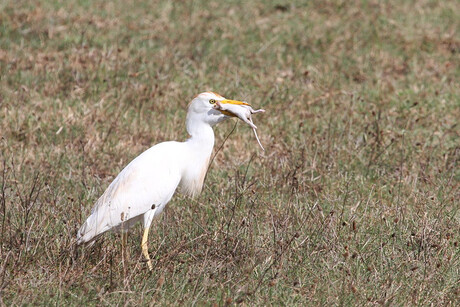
(355, 201)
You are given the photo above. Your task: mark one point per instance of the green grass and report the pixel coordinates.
(354, 202)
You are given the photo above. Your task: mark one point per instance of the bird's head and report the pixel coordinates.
(202, 109)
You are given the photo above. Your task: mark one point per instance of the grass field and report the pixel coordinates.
(354, 202)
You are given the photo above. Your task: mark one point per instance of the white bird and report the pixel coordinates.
(143, 188)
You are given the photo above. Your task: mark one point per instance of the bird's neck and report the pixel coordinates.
(201, 136)
(199, 145)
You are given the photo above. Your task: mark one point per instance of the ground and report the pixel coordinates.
(355, 200)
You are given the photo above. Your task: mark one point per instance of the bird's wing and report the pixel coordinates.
(148, 182)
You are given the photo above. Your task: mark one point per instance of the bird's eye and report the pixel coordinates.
(212, 101)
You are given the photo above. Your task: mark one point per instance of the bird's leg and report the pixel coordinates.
(124, 244)
(145, 249)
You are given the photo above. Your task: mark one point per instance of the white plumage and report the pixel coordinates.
(149, 181)
(143, 188)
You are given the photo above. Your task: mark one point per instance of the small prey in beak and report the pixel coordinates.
(239, 109)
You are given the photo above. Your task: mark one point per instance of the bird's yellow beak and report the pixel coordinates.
(228, 101)
(234, 102)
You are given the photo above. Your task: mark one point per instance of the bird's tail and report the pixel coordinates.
(90, 230)
(83, 234)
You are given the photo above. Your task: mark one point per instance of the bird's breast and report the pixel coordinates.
(193, 176)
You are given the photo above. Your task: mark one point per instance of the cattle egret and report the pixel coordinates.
(144, 187)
